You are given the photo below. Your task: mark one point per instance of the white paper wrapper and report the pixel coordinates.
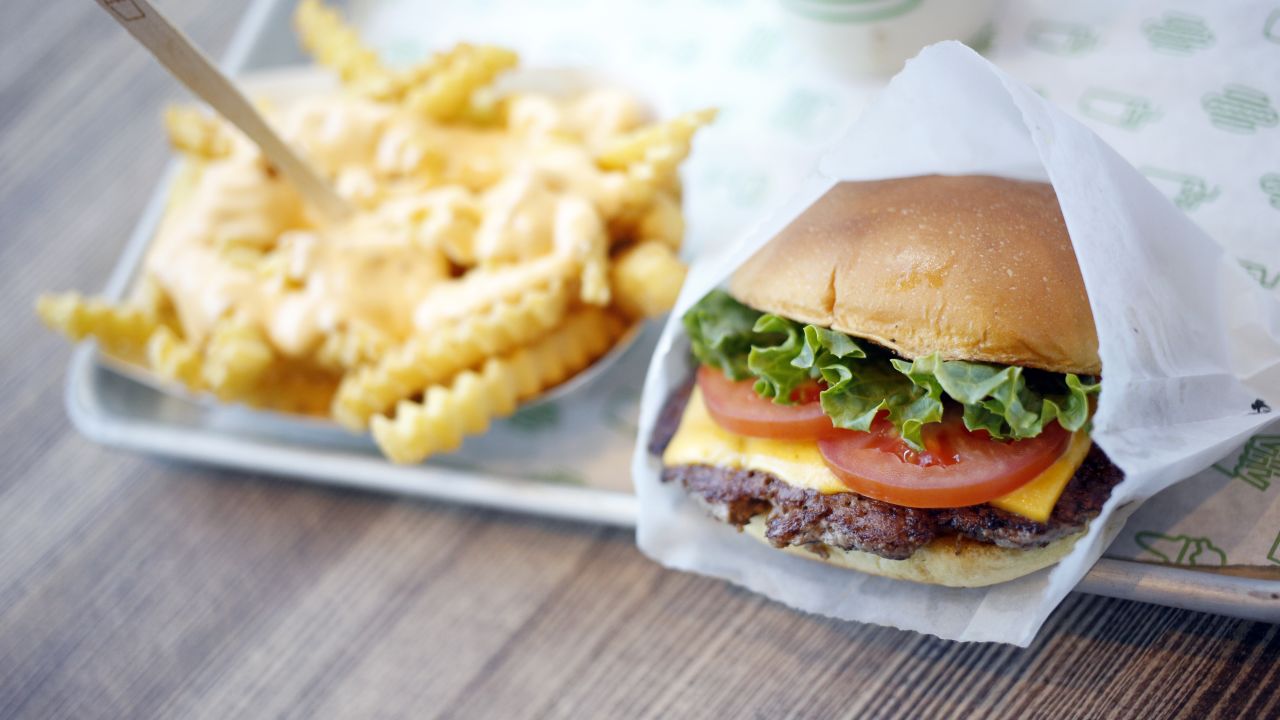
(1188, 342)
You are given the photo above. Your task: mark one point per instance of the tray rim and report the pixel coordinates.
(1170, 585)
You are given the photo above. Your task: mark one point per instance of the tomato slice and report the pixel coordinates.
(957, 468)
(736, 407)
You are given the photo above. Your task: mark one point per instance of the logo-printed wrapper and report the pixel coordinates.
(1189, 342)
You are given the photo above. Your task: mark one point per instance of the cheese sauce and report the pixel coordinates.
(238, 239)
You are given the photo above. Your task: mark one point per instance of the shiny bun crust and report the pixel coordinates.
(974, 267)
(952, 561)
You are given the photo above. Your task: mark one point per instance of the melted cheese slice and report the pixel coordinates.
(700, 441)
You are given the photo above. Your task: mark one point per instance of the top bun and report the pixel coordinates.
(973, 267)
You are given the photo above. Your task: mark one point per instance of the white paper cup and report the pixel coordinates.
(861, 38)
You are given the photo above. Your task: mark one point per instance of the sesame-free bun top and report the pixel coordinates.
(973, 267)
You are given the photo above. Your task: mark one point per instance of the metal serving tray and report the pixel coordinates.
(491, 471)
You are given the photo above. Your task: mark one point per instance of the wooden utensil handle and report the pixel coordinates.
(187, 63)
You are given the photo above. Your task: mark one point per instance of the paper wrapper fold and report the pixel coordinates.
(1189, 343)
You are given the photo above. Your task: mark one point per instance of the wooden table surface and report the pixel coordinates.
(132, 587)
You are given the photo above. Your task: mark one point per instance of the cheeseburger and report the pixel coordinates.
(900, 383)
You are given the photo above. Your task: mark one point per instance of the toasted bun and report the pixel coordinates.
(973, 267)
(954, 561)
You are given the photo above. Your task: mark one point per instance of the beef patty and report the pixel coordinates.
(849, 521)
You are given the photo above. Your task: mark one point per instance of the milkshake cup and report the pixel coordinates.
(868, 38)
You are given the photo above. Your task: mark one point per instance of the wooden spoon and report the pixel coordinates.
(193, 68)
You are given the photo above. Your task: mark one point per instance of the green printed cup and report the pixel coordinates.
(861, 38)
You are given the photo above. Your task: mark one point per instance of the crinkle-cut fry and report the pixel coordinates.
(435, 358)
(663, 221)
(466, 407)
(120, 329)
(646, 279)
(173, 358)
(296, 398)
(635, 196)
(332, 43)
(667, 141)
(152, 300)
(403, 156)
(649, 160)
(580, 234)
(295, 386)
(404, 81)
(445, 415)
(479, 289)
(445, 94)
(485, 108)
(359, 185)
(236, 357)
(449, 222)
(196, 133)
(348, 349)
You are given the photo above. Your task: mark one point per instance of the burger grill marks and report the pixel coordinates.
(797, 516)
(861, 382)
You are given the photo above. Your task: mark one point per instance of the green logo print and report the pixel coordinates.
(1061, 38)
(1274, 553)
(1115, 108)
(804, 113)
(741, 186)
(620, 411)
(1259, 273)
(559, 476)
(1257, 463)
(674, 51)
(982, 39)
(1271, 28)
(536, 418)
(758, 48)
(1178, 34)
(1187, 191)
(1181, 549)
(1239, 109)
(1270, 184)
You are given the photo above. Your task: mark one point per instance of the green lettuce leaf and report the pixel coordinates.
(997, 398)
(862, 392)
(721, 333)
(781, 354)
(773, 366)
(857, 389)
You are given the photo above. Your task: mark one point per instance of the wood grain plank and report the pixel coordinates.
(155, 592)
(341, 615)
(445, 639)
(564, 639)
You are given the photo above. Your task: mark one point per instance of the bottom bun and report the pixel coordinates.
(950, 561)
